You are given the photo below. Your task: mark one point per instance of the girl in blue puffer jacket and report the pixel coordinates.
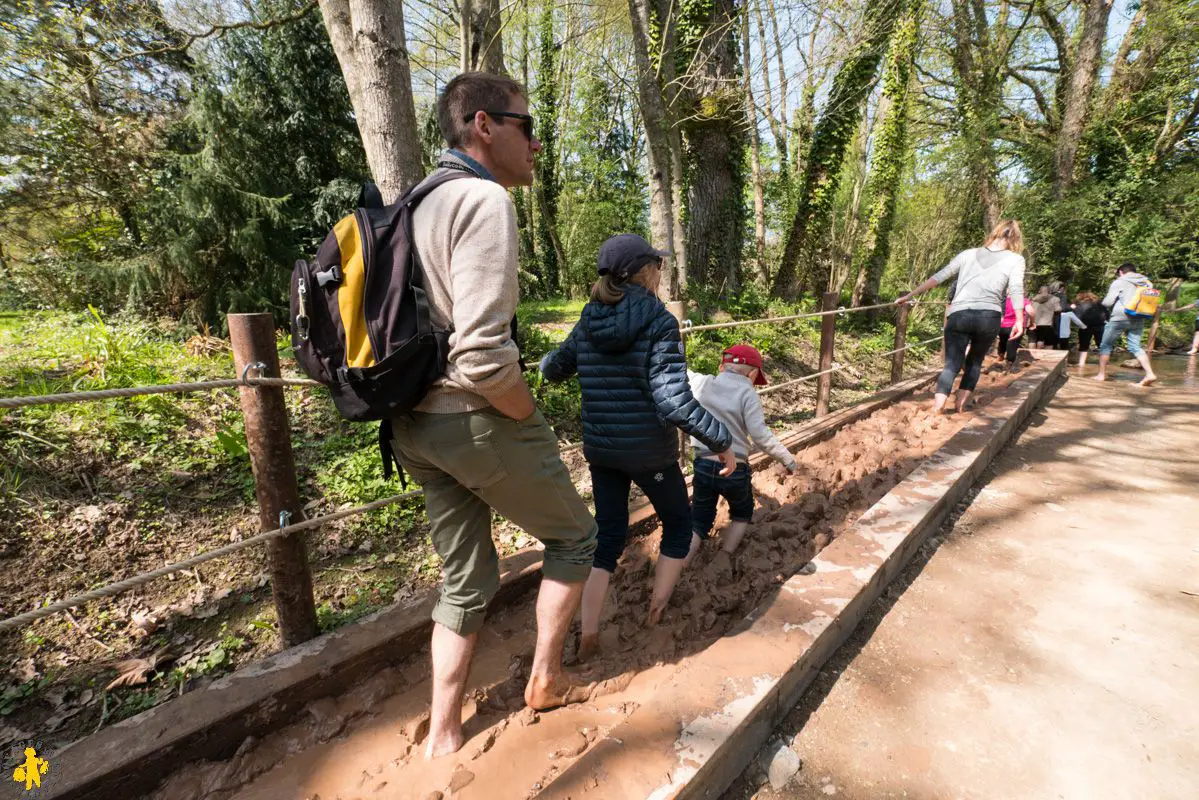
(628, 355)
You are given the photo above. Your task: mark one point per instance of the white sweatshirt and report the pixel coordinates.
(730, 397)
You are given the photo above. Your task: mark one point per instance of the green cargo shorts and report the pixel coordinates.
(470, 463)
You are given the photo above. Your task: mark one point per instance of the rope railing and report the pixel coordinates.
(775, 387)
(690, 329)
(231, 383)
(143, 578)
(135, 391)
(284, 529)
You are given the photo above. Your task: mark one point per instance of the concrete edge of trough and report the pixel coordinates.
(131, 757)
(713, 714)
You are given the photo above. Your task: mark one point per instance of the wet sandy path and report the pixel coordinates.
(365, 743)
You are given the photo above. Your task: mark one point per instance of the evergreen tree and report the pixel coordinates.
(266, 160)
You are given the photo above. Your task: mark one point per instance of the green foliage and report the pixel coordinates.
(1136, 199)
(267, 159)
(603, 190)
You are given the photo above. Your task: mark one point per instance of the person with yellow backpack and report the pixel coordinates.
(1132, 300)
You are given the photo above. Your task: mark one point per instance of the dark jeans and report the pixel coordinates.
(667, 492)
(1008, 346)
(973, 328)
(708, 485)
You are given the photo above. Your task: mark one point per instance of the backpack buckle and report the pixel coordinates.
(331, 275)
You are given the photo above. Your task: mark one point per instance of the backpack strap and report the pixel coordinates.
(391, 459)
(369, 196)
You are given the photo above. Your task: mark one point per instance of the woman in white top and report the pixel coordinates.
(987, 276)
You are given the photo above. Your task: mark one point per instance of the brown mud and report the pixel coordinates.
(367, 742)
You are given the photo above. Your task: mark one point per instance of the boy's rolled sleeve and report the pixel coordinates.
(760, 433)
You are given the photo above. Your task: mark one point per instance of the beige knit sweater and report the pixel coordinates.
(465, 234)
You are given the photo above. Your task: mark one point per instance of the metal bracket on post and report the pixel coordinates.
(256, 366)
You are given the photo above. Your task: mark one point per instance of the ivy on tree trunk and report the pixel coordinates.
(836, 127)
(890, 155)
(548, 185)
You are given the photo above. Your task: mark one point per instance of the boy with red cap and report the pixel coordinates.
(729, 396)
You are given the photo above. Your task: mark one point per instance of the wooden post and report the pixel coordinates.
(268, 436)
(678, 310)
(901, 337)
(828, 329)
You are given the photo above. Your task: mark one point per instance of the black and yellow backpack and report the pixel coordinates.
(360, 320)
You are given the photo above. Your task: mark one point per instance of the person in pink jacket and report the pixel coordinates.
(1007, 345)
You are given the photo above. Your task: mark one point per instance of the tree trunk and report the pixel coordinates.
(890, 154)
(842, 248)
(776, 127)
(1078, 96)
(778, 54)
(804, 119)
(523, 198)
(761, 273)
(653, 112)
(465, 14)
(548, 185)
(979, 87)
(682, 250)
(1120, 64)
(715, 128)
(368, 38)
(832, 135)
(485, 43)
(666, 15)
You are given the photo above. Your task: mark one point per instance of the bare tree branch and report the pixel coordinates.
(218, 30)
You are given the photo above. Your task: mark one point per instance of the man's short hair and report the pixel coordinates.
(1127, 266)
(468, 93)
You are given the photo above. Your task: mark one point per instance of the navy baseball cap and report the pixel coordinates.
(624, 254)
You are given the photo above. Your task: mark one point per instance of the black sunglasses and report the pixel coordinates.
(526, 120)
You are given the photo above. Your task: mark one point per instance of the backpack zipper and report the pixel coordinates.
(368, 251)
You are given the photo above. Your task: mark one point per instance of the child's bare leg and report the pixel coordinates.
(696, 545)
(595, 592)
(732, 536)
(666, 576)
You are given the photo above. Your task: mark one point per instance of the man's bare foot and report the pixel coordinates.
(443, 743)
(543, 693)
(1099, 378)
(588, 646)
(1192, 352)
(1148, 380)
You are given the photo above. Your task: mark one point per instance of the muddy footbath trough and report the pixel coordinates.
(677, 710)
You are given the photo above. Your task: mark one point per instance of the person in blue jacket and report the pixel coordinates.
(628, 354)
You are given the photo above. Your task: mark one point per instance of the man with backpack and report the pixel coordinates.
(476, 442)
(1132, 300)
